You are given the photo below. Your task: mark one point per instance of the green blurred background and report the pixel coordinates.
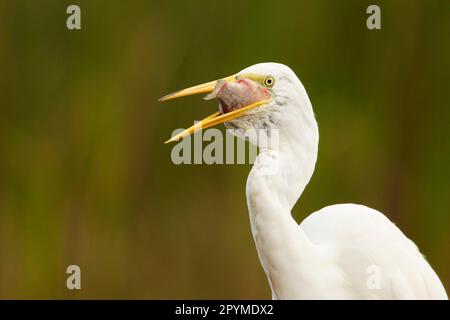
(86, 179)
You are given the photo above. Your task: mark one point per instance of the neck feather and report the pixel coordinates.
(280, 174)
(274, 185)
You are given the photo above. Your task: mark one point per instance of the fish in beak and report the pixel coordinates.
(237, 94)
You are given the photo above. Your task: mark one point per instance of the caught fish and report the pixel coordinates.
(237, 94)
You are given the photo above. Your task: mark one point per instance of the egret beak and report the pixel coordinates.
(213, 119)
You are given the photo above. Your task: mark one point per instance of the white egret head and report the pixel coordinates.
(258, 99)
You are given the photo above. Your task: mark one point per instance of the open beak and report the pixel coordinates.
(214, 118)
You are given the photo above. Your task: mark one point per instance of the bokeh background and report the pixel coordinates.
(86, 179)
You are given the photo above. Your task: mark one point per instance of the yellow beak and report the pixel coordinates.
(216, 117)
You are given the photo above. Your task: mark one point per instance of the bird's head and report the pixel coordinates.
(256, 100)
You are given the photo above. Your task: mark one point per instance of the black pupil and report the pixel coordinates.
(269, 81)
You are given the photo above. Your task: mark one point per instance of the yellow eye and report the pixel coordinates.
(269, 81)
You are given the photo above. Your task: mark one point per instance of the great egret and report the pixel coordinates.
(343, 251)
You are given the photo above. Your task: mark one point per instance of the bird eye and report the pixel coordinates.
(269, 81)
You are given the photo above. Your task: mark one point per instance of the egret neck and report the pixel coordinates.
(282, 246)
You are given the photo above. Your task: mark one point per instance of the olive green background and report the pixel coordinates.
(86, 179)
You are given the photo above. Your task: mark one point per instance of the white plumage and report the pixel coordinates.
(364, 242)
(343, 251)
